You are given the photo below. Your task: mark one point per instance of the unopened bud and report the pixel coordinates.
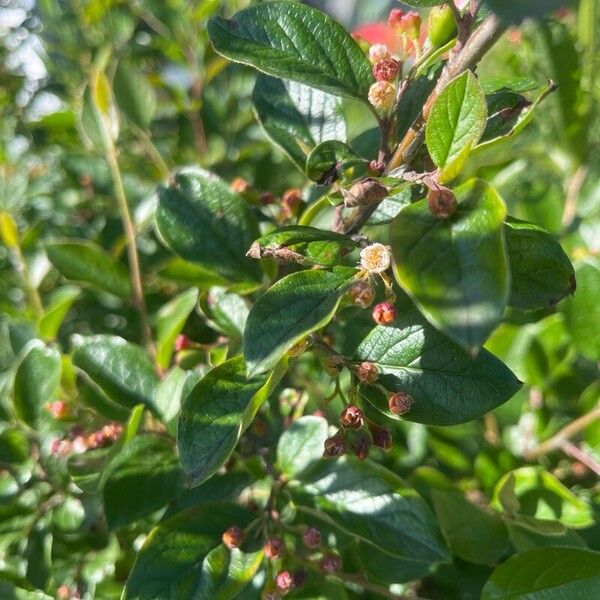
(362, 293)
(384, 313)
(367, 372)
(183, 342)
(400, 403)
(382, 95)
(441, 27)
(375, 258)
(274, 548)
(334, 364)
(334, 446)
(442, 202)
(292, 198)
(311, 538)
(382, 438)
(406, 24)
(331, 563)
(240, 185)
(352, 417)
(359, 442)
(58, 410)
(377, 167)
(299, 577)
(386, 70)
(378, 52)
(233, 537)
(284, 582)
(267, 198)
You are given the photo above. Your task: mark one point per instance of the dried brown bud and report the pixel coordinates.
(292, 198)
(335, 446)
(442, 203)
(382, 438)
(359, 442)
(377, 167)
(298, 349)
(384, 313)
(331, 563)
(400, 403)
(386, 69)
(333, 364)
(365, 192)
(233, 537)
(352, 417)
(284, 582)
(311, 538)
(367, 372)
(274, 548)
(362, 293)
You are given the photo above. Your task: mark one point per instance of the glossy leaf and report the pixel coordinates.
(122, 370)
(225, 311)
(305, 245)
(455, 124)
(134, 95)
(226, 572)
(170, 562)
(216, 412)
(86, 262)
(300, 446)
(291, 309)
(456, 269)
(582, 311)
(330, 160)
(171, 390)
(541, 272)
(447, 385)
(202, 220)
(143, 477)
(296, 42)
(36, 382)
(170, 320)
(473, 534)
(371, 503)
(297, 117)
(546, 573)
(57, 310)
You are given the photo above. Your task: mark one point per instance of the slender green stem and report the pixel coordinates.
(32, 291)
(152, 151)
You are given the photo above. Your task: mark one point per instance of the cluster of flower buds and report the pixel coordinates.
(77, 442)
(407, 25)
(357, 435)
(384, 313)
(288, 205)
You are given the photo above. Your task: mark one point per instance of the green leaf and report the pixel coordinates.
(546, 573)
(455, 124)
(472, 533)
(504, 109)
(447, 385)
(423, 3)
(305, 245)
(514, 11)
(297, 117)
(94, 397)
(225, 311)
(36, 381)
(226, 572)
(582, 311)
(171, 391)
(370, 502)
(297, 42)
(541, 272)
(142, 478)
(215, 414)
(58, 307)
(9, 591)
(330, 160)
(455, 269)
(170, 321)
(14, 445)
(86, 262)
(291, 309)
(170, 562)
(300, 447)
(134, 95)
(390, 207)
(202, 220)
(122, 370)
(541, 495)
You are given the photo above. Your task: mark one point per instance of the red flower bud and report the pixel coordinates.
(331, 563)
(274, 548)
(386, 70)
(311, 538)
(59, 410)
(284, 581)
(352, 417)
(382, 438)
(233, 537)
(335, 446)
(400, 403)
(182, 342)
(240, 185)
(384, 313)
(362, 293)
(367, 372)
(267, 198)
(442, 203)
(299, 577)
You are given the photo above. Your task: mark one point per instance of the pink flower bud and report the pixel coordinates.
(378, 52)
(331, 563)
(352, 417)
(274, 548)
(386, 70)
(405, 23)
(384, 313)
(312, 538)
(233, 537)
(182, 342)
(284, 582)
(400, 403)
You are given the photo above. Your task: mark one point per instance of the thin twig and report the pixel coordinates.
(583, 457)
(573, 189)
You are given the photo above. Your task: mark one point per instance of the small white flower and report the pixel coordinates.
(378, 52)
(382, 95)
(375, 258)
